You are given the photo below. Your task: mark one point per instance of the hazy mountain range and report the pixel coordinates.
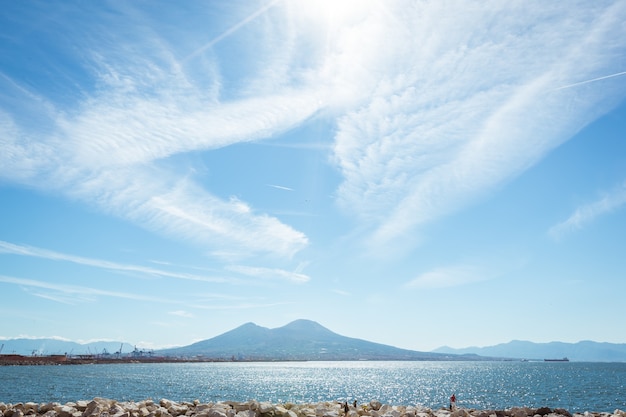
(308, 340)
(585, 351)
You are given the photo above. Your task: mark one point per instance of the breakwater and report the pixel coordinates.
(102, 407)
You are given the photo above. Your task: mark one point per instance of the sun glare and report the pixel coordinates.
(332, 12)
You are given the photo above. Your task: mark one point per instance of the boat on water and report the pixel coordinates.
(556, 360)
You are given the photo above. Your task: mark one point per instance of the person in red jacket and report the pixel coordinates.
(452, 402)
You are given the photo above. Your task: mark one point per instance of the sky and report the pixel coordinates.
(413, 173)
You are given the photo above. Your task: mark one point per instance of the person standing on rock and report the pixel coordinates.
(452, 402)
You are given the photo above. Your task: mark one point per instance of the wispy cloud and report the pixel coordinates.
(242, 305)
(451, 276)
(71, 294)
(436, 133)
(24, 250)
(106, 150)
(588, 213)
(182, 313)
(422, 130)
(270, 273)
(27, 336)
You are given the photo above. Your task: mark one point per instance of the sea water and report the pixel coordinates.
(574, 386)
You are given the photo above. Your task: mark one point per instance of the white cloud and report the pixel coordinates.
(451, 276)
(434, 109)
(182, 313)
(588, 213)
(270, 273)
(63, 292)
(26, 336)
(462, 108)
(24, 250)
(105, 150)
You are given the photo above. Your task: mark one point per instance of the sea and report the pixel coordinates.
(574, 386)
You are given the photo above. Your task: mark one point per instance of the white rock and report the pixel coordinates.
(265, 408)
(215, 413)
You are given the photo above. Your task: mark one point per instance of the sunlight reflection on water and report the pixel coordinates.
(485, 385)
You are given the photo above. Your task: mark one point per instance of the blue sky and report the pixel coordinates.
(417, 174)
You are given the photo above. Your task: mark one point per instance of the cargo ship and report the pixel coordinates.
(556, 360)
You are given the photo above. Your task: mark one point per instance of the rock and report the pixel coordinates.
(519, 412)
(442, 412)
(216, 413)
(31, 408)
(375, 404)
(102, 407)
(81, 405)
(177, 409)
(65, 411)
(266, 409)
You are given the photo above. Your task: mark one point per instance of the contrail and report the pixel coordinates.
(280, 187)
(592, 80)
(231, 30)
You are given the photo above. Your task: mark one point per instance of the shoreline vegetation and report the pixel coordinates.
(100, 407)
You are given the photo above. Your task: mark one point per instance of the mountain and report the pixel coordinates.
(585, 351)
(298, 340)
(27, 347)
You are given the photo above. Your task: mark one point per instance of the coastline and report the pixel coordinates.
(103, 407)
(22, 360)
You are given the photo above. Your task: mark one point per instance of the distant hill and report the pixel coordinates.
(585, 351)
(298, 340)
(28, 347)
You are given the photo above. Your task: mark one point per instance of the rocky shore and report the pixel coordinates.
(102, 407)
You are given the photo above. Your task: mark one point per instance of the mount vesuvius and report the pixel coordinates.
(298, 340)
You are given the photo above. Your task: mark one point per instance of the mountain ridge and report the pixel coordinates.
(298, 340)
(308, 340)
(582, 351)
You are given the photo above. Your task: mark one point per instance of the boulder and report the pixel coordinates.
(375, 405)
(216, 413)
(31, 408)
(519, 412)
(65, 411)
(81, 405)
(460, 412)
(177, 409)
